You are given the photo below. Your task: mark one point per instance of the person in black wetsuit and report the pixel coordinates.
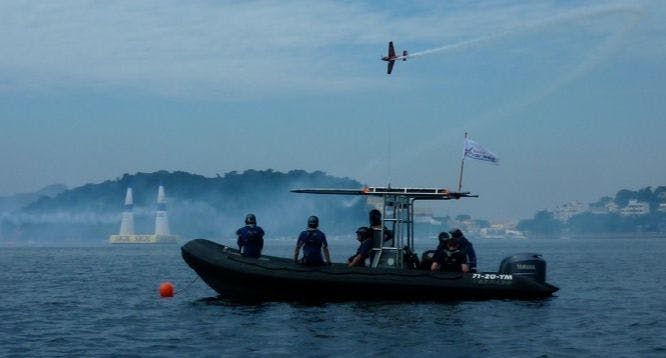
(450, 258)
(313, 242)
(250, 237)
(364, 236)
(465, 245)
(375, 218)
(428, 256)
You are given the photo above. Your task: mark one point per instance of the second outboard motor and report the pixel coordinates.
(526, 265)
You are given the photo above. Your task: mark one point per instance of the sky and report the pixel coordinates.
(568, 94)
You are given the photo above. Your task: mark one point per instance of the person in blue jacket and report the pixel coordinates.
(465, 245)
(313, 242)
(250, 237)
(364, 236)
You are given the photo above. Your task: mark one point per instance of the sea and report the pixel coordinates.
(93, 300)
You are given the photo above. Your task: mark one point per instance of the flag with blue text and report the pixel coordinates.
(475, 151)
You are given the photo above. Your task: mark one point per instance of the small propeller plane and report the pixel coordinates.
(391, 57)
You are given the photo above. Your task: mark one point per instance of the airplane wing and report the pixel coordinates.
(391, 50)
(390, 67)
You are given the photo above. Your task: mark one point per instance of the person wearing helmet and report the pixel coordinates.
(313, 242)
(465, 245)
(451, 258)
(428, 256)
(250, 237)
(364, 236)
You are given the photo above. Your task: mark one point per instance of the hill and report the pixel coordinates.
(198, 206)
(632, 213)
(18, 201)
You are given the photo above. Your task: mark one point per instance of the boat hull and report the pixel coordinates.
(268, 277)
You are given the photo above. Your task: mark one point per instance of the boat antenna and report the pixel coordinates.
(462, 165)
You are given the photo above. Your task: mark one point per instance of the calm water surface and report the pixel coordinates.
(103, 300)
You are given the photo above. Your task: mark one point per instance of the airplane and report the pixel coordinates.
(391, 57)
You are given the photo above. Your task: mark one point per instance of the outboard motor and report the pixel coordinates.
(525, 264)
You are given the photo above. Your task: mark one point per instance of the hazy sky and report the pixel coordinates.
(570, 96)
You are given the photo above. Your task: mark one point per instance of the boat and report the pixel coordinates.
(392, 274)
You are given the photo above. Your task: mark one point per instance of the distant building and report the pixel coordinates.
(566, 211)
(662, 207)
(635, 208)
(612, 207)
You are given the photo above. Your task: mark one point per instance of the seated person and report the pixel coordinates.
(313, 242)
(364, 251)
(451, 258)
(465, 245)
(428, 256)
(250, 237)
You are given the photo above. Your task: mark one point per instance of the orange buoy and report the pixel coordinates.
(166, 289)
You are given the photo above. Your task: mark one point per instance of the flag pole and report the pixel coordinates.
(462, 165)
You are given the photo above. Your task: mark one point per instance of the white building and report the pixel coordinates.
(662, 207)
(566, 211)
(612, 207)
(635, 207)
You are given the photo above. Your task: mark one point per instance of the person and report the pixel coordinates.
(429, 255)
(466, 245)
(313, 242)
(375, 218)
(451, 257)
(250, 237)
(364, 236)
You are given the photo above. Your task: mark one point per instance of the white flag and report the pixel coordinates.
(475, 151)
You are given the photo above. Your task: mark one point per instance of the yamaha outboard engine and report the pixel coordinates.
(526, 264)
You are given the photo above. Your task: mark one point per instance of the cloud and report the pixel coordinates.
(174, 48)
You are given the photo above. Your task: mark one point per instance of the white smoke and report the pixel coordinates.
(61, 217)
(572, 16)
(594, 56)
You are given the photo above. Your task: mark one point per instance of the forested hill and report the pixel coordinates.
(198, 206)
(17, 201)
(629, 212)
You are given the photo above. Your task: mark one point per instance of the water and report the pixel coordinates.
(103, 300)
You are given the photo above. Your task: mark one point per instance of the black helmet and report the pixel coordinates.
(363, 232)
(443, 236)
(456, 233)
(375, 217)
(250, 219)
(313, 222)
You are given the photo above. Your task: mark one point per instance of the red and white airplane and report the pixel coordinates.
(391, 57)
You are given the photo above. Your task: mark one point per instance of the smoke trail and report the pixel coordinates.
(538, 25)
(594, 57)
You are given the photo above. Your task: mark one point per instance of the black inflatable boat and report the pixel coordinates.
(390, 276)
(268, 277)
